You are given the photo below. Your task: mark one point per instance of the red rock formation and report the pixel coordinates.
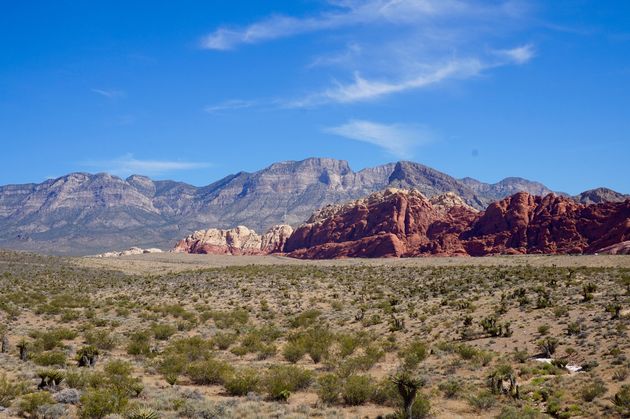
(399, 223)
(393, 223)
(552, 224)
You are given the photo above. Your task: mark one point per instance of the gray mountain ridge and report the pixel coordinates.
(83, 213)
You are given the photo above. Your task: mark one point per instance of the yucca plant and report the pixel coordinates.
(143, 413)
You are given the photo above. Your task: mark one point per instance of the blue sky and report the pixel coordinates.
(196, 90)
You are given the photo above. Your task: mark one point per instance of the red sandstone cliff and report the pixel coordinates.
(404, 223)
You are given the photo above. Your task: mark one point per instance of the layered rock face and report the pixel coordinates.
(399, 223)
(622, 248)
(524, 223)
(392, 223)
(237, 241)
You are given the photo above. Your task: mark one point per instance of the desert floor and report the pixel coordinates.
(198, 336)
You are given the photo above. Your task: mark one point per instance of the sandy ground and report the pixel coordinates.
(177, 262)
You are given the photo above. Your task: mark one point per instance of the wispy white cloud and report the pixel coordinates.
(361, 89)
(518, 55)
(413, 44)
(128, 165)
(347, 13)
(230, 105)
(109, 93)
(398, 140)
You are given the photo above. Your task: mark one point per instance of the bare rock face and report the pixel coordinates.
(236, 241)
(128, 252)
(392, 223)
(524, 223)
(598, 195)
(274, 240)
(622, 248)
(399, 223)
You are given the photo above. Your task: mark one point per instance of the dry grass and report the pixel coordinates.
(202, 336)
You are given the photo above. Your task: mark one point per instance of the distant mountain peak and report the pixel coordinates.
(89, 213)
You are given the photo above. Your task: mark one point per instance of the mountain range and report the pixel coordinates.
(83, 213)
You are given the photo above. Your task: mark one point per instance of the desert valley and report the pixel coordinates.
(329, 209)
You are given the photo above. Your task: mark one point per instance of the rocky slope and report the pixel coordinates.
(595, 196)
(236, 241)
(405, 223)
(86, 214)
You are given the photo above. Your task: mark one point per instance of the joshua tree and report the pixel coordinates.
(50, 378)
(614, 309)
(4, 341)
(407, 388)
(548, 346)
(23, 348)
(503, 381)
(87, 356)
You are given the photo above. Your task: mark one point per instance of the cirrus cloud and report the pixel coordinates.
(399, 140)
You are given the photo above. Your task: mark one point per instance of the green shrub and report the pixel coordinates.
(451, 388)
(385, 393)
(224, 340)
(101, 339)
(294, 350)
(242, 381)
(328, 386)
(163, 331)
(483, 400)
(420, 409)
(50, 358)
(10, 390)
(98, 403)
(621, 401)
(305, 319)
(356, 390)
(526, 412)
(192, 349)
(139, 344)
(415, 352)
(282, 380)
(172, 366)
(210, 371)
(593, 390)
(31, 402)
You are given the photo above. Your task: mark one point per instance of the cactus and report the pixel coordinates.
(23, 347)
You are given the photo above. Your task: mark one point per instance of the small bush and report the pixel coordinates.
(30, 403)
(328, 388)
(50, 358)
(163, 331)
(98, 403)
(224, 340)
(593, 390)
(139, 344)
(420, 409)
(481, 401)
(101, 339)
(281, 380)
(294, 351)
(210, 371)
(10, 390)
(621, 400)
(520, 413)
(242, 381)
(451, 388)
(414, 354)
(356, 390)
